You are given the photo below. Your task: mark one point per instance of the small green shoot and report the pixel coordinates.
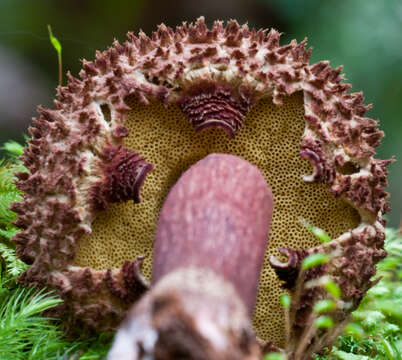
(285, 301)
(324, 306)
(389, 351)
(275, 356)
(354, 330)
(342, 355)
(13, 148)
(332, 288)
(319, 233)
(324, 322)
(56, 44)
(314, 260)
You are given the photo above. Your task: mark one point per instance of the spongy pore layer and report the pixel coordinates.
(270, 139)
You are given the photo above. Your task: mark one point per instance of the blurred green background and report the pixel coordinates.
(363, 35)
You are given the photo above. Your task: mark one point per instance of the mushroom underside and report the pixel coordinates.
(270, 139)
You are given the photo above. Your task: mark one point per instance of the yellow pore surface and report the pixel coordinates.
(270, 139)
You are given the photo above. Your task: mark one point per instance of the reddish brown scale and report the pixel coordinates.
(288, 271)
(134, 282)
(120, 132)
(124, 173)
(210, 106)
(323, 170)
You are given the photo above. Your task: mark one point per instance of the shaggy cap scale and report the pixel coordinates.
(144, 111)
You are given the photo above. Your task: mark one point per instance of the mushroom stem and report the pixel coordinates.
(209, 249)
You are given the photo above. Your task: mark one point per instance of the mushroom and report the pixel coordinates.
(143, 112)
(209, 249)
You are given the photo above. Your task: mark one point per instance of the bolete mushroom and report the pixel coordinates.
(161, 104)
(208, 253)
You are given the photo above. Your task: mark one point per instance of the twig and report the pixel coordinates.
(56, 44)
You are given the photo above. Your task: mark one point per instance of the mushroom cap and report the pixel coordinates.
(143, 112)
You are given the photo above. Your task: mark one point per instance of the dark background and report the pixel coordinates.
(363, 35)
